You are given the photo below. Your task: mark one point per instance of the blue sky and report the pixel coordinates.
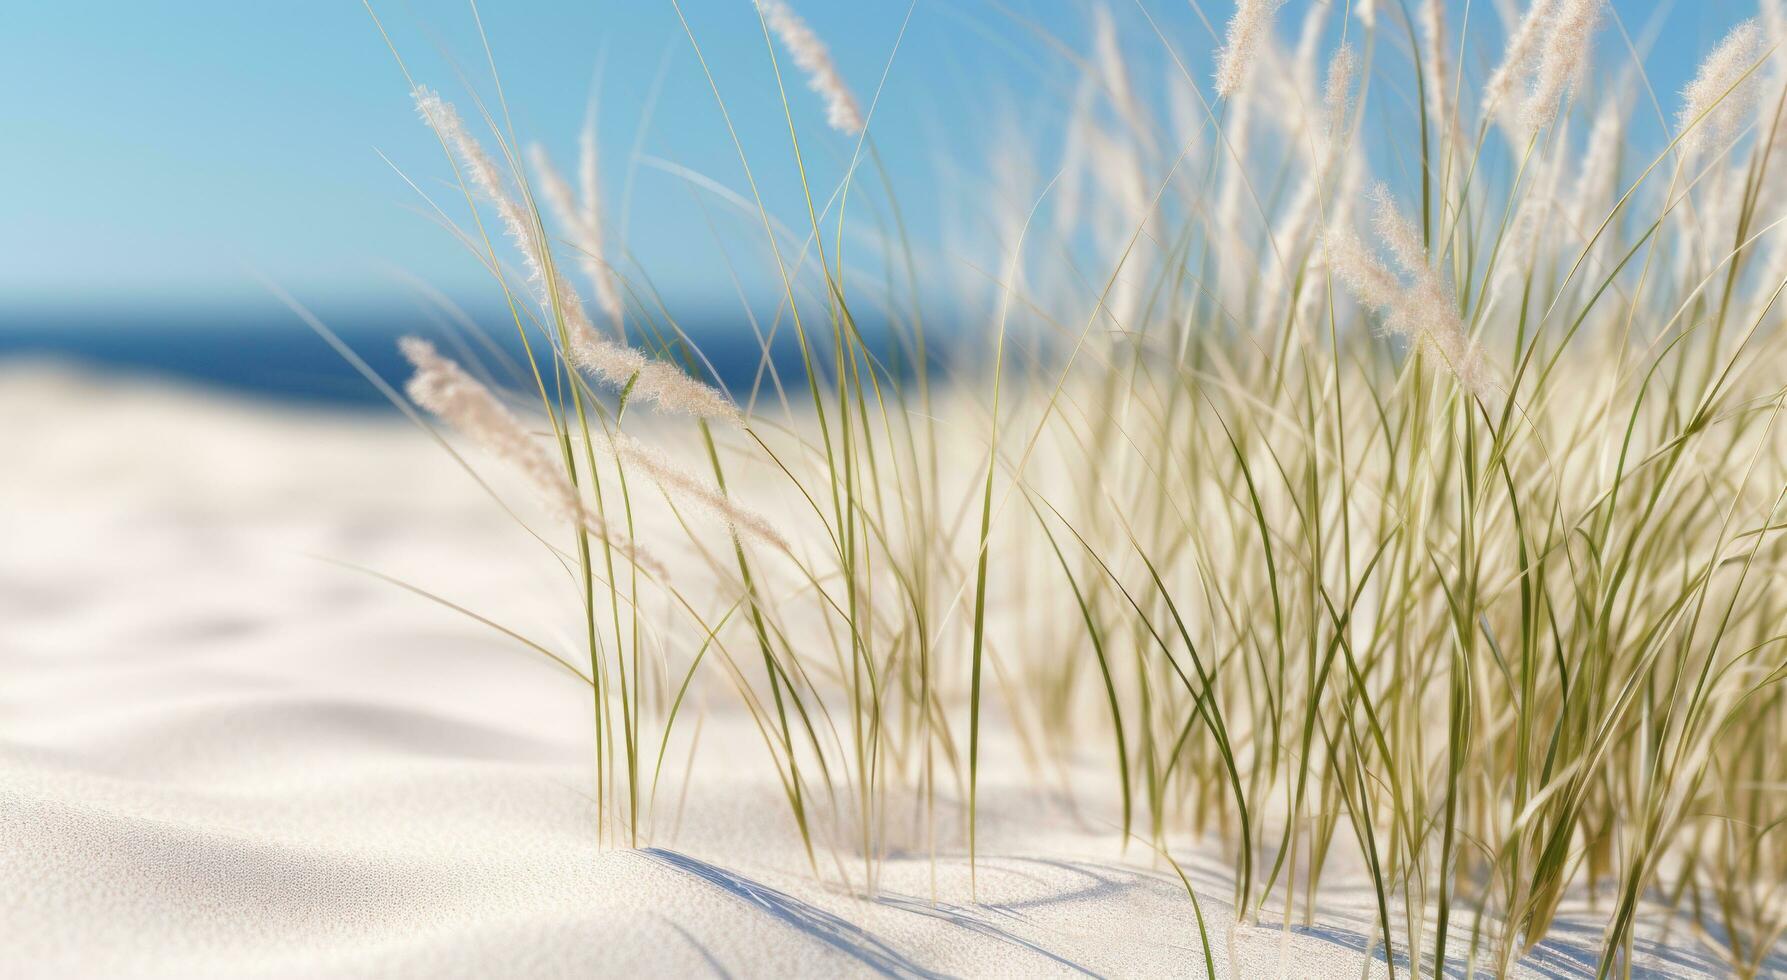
(159, 152)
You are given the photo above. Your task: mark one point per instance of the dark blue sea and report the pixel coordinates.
(268, 352)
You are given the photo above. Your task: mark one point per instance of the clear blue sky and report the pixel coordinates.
(157, 151)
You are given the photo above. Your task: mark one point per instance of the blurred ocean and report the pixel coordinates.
(269, 353)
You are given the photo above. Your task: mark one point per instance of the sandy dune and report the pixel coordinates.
(220, 755)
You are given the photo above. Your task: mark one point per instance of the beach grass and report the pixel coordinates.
(1376, 467)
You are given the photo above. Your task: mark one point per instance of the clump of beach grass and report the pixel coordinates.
(1463, 570)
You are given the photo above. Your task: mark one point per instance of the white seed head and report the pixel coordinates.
(589, 177)
(1363, 274)
(585, 237)
(1397, 231)
(554, 291)
(692, 491)
(484, 174)
(589, 183)
(446, 390)
(1250, 23)
(554, 189)
(1432, 20)
(1600, 164)
(1567, 45)
(659, 383)
(1338, 94)
(812, 56)
(1424, 312)
(1719, 98)
(1518, 58)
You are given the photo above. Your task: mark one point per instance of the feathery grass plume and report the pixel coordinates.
(1432, 21)
(585, 236)
(1720, 92)
(488, 179)
(590, 186)
(1425, 312)
(1567, 43)
(813, 58)
(1600, 163)
(1247, 26)
(1338, 93)
(1290, 80)
(589, 176)
(1362, 272)
(485, 175)
(555, 190)
(1518, 58)
(658, 382)
(693, 491)
(445, 389)
(1397, 231)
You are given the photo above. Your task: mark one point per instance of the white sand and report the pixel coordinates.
(221, 756)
